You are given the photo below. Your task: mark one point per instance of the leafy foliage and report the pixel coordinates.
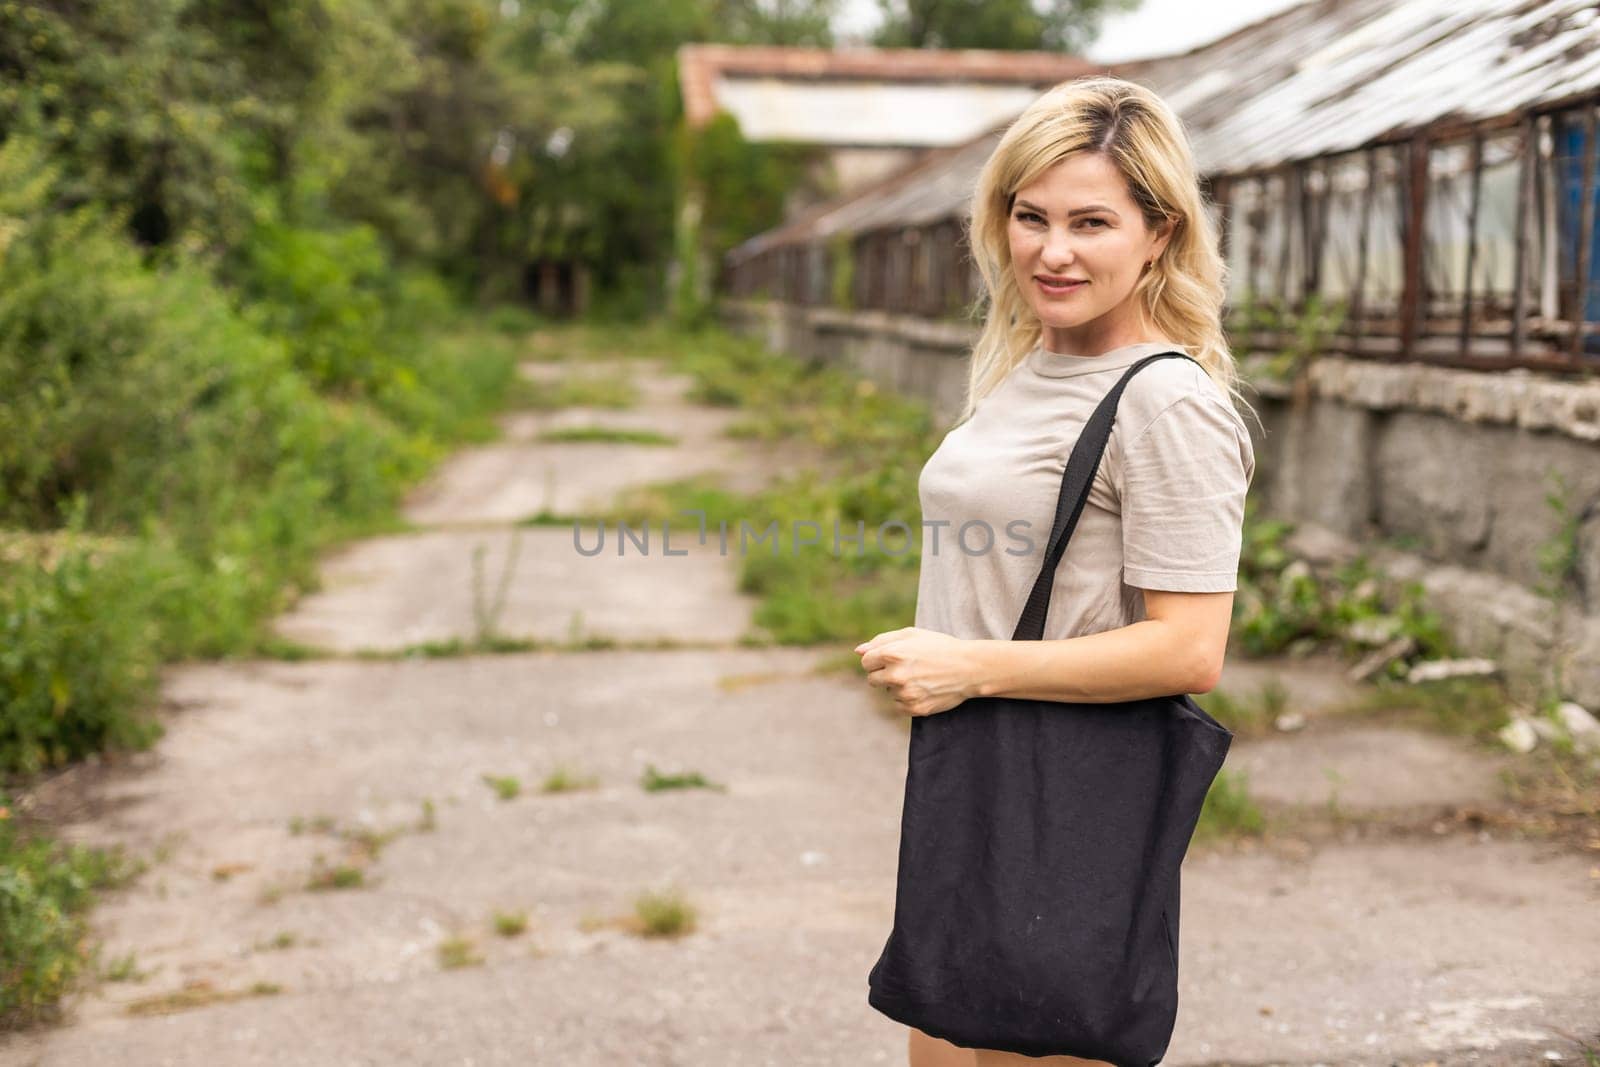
(45, 893)
(1055, 25)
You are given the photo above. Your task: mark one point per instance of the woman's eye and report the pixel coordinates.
(1031, 216)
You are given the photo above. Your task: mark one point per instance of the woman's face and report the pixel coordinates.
(1076, 224)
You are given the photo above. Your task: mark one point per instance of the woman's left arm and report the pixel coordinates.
(1177, 648)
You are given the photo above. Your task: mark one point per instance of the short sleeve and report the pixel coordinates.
(1184, 479)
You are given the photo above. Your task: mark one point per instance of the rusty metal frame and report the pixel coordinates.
(881, 259)
(1472, 241)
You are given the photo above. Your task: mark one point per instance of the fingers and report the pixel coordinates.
(883, 637)
(880, 677)
(875, 660)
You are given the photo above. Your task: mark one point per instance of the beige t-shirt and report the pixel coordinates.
(1165, 509)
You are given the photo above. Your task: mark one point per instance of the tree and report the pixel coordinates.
(1050, 25)
(598, 169)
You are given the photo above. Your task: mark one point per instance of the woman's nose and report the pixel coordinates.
(1058, 252)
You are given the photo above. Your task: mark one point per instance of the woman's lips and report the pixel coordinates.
(1057, 290)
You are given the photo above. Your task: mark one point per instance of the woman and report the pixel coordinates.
(1095, 248)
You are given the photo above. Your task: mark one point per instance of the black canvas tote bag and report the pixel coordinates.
(1036, 905)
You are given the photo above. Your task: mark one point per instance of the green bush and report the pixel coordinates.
(1285, 605)
(45, 891)
(141, 402)
(77, 651)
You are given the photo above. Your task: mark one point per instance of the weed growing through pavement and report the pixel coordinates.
(1229, 810)
(335, 876)
(458, 952)
(654, 781)
(662, 914)
(486, 616)
(565, 780)
(1247, 716)
(608, 435)
(506, 787)
(124, 969)
(197, 993)
(510, 924)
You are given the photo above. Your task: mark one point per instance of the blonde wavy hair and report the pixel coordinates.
(1182, 294)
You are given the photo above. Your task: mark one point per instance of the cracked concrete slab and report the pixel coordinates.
(1367, 767)
(508, 481)
(776, 859)
(519, 476)
(388, 593)
(1317, 685)
(511, 480)
(1454, 949)
(1460, 949)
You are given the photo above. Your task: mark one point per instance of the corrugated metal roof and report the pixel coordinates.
(1327, 76)
(1333, 75)
(700, 66)
(876, 114)
(937, 186)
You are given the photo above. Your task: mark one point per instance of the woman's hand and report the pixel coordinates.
(926, 671)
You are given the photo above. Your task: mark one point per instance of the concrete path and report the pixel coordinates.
(1398, 934)
(389, 593)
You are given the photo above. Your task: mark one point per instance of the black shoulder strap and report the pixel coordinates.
(1075, 481)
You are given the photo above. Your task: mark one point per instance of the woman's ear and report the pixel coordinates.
(1164, 235)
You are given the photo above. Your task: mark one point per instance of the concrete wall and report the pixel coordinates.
(1439, 476)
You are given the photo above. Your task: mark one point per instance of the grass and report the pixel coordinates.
(364, 840)
(455, 647)
(663, 914)
(1229, 810)
(47, 890)
(506, 787)
(565, 780)
(1471, 707)
(369, 843)
(364, 845)
(510, 924)
(614, 392)
(283, 939)
(123, 969)
(545, 517)
(577, 344)
(337, 876)
(321, 824)
(458, 952)
(1247, 716)
(197, 993)
(608, 435)
(653, 781)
